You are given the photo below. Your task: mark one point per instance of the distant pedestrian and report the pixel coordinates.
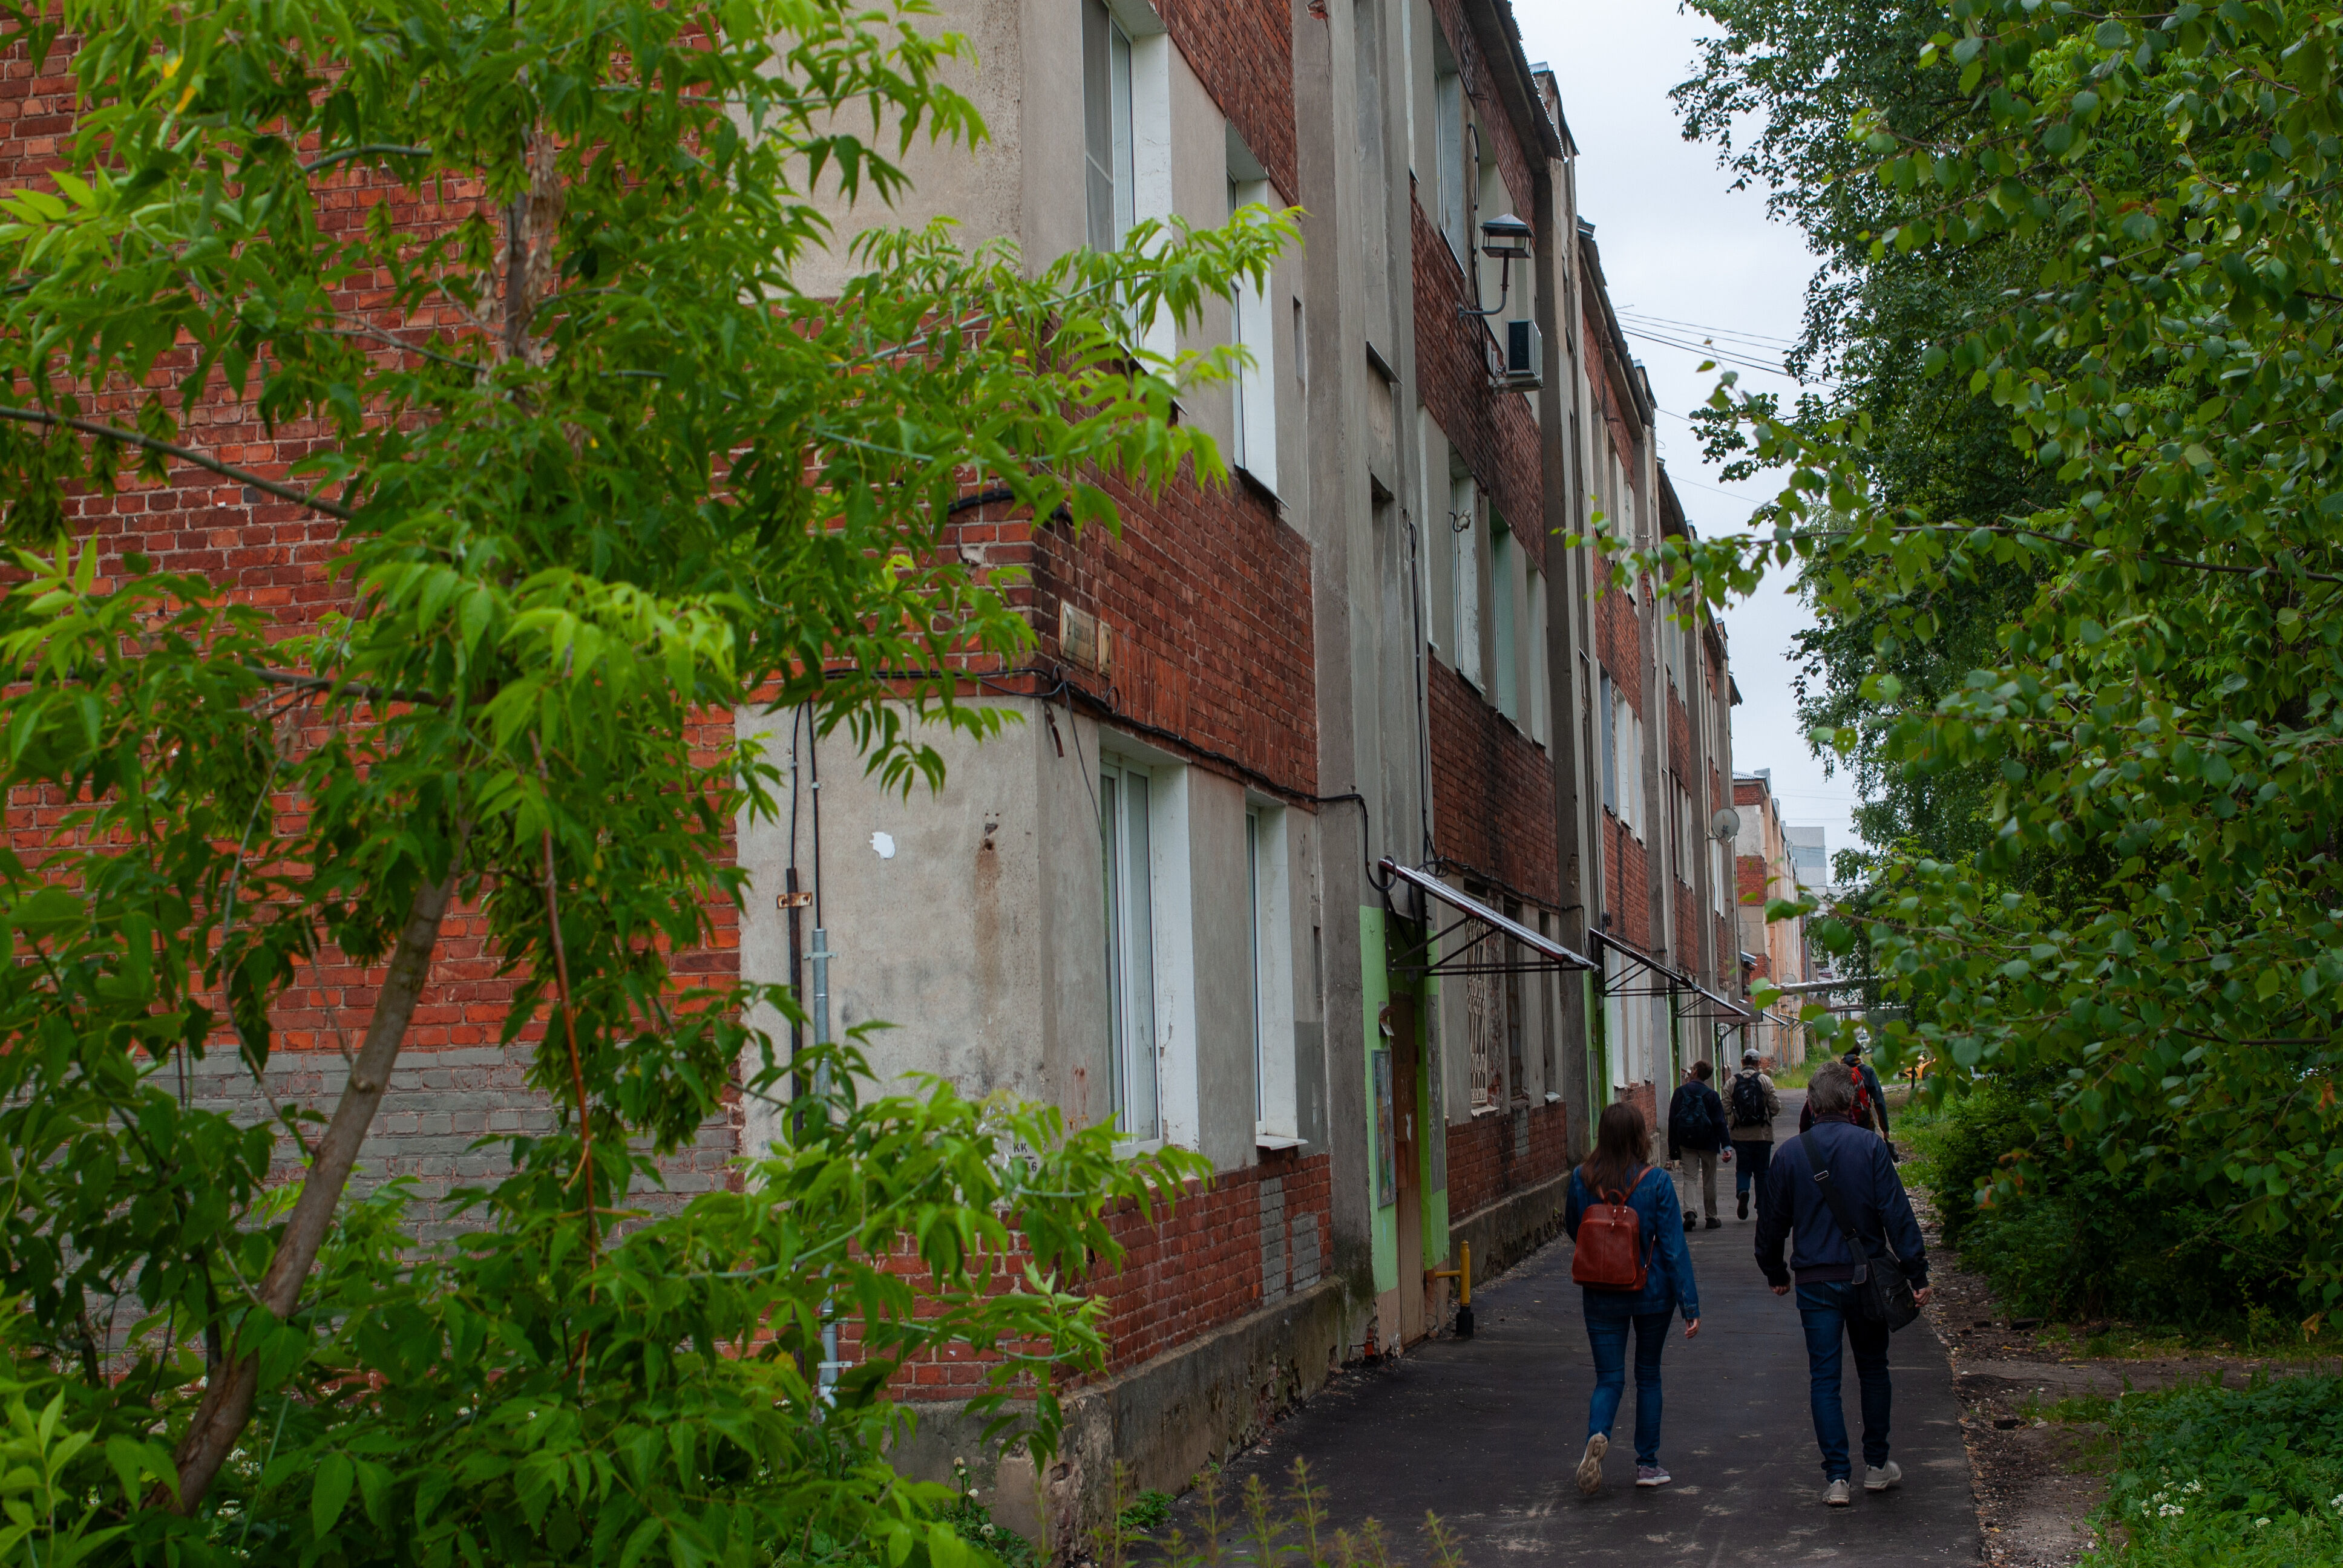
(1870, 1105)
(1696, 1136)
(1830, 1275)
(1751, 1103)
(1630, 1258)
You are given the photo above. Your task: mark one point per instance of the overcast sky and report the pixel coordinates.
(1685, 255)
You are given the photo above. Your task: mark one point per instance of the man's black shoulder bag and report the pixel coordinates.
(1881, 1295)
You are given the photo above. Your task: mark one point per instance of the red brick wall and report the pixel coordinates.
(1251, 1237)
(1640, 1096)
(1486, 1159)
(1626, 883)
(1492, 791)
(1207, 592)
(1243, 51)
(1495, 431)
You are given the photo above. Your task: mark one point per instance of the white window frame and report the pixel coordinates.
(1465, 581)
(1504, 620)
(1133, 978)
(1434, 536)
(1448, 111)
(1109, 138)
(1541, 724)
(1607, 707)
(1276, 1107)
(1254, 392)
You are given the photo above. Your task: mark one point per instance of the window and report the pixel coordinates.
(1108, 140)
(1485, 1034)
(1276, 1111)
(1254, 928)
(1540, 703)
(1549, 1009)
(1255, 425)
(1607, 704)
(1438, 540)
(1504, 676)
(1464, 541)
(1627, 753)
(1448, 110)
(1133, 1056)
(1515, 1010)
(1718, 865)
(1686, 856)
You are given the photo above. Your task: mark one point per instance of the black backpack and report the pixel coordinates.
(1748, 1101)
(1695, 1128)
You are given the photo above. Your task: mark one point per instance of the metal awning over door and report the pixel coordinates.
(1647, 976)
(1464, 937)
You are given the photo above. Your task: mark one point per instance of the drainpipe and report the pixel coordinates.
(820, 958)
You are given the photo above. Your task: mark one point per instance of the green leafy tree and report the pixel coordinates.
(1775, 89)
(2159, 717)
(519, 283)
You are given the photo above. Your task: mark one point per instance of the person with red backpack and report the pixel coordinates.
(1635, 1272)
(1870, 1105)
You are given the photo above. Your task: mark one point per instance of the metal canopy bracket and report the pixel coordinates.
(1659, 979)
(1548, 955)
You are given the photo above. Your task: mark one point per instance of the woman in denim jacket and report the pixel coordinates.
(1622, 1150)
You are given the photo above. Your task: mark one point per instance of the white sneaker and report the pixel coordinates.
(1879, 1478)
(1839, 1495)
(1590, 1467)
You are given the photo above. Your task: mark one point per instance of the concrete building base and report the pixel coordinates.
(1165, 1419)
(1503, 1233)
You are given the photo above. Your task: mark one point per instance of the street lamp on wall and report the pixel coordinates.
(1508, 239)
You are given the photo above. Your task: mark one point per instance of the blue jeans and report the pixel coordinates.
(1607, 1336)
(1750, 1163)
(1827, 1309)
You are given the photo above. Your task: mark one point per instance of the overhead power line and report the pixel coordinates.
(1711, 351)
(1764, 337)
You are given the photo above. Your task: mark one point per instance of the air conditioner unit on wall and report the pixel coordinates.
(1524, 357)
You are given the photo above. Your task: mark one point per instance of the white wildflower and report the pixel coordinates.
(2170, 1511)
(2262, 1523)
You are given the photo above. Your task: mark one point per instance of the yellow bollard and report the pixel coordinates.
(1463, 1275)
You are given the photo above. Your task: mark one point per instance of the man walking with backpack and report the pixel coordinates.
(1750, 1104)
(1695, 1136)
(1860, 1265)
(1870, 1103)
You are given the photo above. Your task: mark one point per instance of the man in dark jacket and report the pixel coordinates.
(1796, 1211)
(1697, 1131)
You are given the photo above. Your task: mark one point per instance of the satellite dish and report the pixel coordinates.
(1724, 826)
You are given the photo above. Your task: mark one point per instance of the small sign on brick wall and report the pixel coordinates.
(1084, 639)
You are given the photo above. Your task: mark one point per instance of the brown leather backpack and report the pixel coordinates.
(1609, 1254)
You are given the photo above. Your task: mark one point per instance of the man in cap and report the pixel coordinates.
(1750, 1106)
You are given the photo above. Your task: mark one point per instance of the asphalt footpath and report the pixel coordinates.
(1485, 1433)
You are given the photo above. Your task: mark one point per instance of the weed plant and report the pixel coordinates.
(2244, 1477)
(1263, 1534)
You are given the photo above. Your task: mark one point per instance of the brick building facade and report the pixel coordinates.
(1172, 894)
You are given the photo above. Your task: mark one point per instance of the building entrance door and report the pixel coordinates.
(1407, 1131)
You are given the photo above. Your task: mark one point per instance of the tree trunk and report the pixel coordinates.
(227, 1405)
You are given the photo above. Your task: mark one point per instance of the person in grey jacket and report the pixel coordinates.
(1825, 1269)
